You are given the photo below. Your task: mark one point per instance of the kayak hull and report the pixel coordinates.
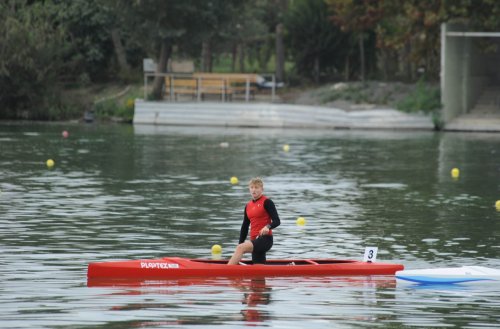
(176, 267)
(450, 275)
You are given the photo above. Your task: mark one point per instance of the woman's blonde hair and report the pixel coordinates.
(256, 181)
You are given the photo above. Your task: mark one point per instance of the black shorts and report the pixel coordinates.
(261, 245)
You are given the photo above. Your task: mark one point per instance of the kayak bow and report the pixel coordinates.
(449, 275)
(176, 267)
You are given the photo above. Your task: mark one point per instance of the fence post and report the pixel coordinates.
(171, 78)
(247, 89)
(273, 88)
(223, 89)
(198, 91)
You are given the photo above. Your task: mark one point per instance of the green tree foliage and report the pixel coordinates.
(31, 59)
(49, 45)
(159, 25)
(480, 15)
(408, 32)
(88, 24)
(360, 17)
(315, 44)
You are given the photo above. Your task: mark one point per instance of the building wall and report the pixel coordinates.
(451, 75)
(466, 70)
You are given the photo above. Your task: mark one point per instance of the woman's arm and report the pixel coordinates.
(244, 227)
(273, 213)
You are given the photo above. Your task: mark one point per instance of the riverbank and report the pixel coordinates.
(116, 102)
(377, 102)
(355, 105)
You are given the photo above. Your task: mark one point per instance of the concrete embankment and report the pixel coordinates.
(232, 114)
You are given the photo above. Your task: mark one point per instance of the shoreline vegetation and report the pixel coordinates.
(61, 59)
(115, 102)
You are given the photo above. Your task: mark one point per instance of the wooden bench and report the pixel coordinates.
(180, 86)
(214, 86)
(237, 83)
(201, 84)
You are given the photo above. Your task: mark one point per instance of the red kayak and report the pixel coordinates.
(175, 267)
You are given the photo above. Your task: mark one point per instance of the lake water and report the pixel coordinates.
(128, 192)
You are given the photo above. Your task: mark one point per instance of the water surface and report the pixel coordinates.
(123, 192)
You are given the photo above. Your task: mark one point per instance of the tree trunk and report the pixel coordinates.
(362, 55)
(206, 56)
(347, 69)
(316, 69)
(165, 52)
(120, 53)
(407, 61)
(234, 56)
(280, 54)
(241, 55)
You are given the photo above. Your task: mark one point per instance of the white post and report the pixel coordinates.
(443, 66)
(223, 90)
(198, 91)
(247, 89)
(273, 88)
(171, 78)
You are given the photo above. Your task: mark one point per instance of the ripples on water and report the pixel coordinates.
(120, 193)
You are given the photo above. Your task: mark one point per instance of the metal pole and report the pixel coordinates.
(273, 88)
(198, 91)
(171, 78)
(145, 86)
(443, 72)
(247, 89)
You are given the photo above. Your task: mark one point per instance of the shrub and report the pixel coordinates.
(424, 98)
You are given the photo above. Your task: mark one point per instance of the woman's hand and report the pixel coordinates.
(264, 231)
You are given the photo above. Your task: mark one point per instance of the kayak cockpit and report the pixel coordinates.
(284, 262)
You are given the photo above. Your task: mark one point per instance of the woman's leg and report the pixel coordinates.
(261, 245)
(241, 249)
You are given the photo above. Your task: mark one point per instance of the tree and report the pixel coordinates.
(31, 59)
(88, 25)
(315, 43)
(359, 17)
(164, 24)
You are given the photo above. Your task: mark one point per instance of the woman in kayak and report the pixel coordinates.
(261, 216)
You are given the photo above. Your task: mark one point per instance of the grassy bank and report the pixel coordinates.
(115, 102)
(108, 102)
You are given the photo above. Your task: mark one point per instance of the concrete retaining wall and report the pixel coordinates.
(232, 114)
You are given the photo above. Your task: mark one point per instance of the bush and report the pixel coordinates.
(118, 107)
(423, 99)
(32, 50)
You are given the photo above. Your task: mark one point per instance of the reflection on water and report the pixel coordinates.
(260, 299)
(120, 192)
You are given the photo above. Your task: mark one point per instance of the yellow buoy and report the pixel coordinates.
(497, 204)
(50, 163)
(216, 249)
(234, 180)
(455, 172)
(286, 147)
(301, 221)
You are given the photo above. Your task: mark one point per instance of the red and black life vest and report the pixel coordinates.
(258, 216)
